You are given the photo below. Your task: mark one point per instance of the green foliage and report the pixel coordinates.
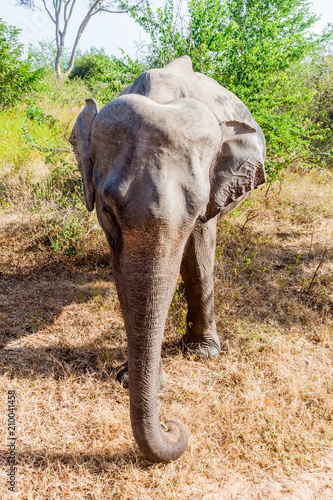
(62, 95)
(50, 146)
(258, 50)
(251, 40)
(168, 32)
(320, 109)
(65, 234)
(36, 113)
(38, 168)
(93, 65)
(105, 75)
(16, 77)
(13, 150)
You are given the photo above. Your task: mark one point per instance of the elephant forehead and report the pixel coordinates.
(155, 185)
(137, 117)
(133, 134)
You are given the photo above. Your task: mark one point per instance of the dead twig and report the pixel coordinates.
(268, 189)
(250, 216)
(62, 365)
(316, 271)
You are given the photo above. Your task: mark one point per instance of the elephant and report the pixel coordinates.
(161, 162)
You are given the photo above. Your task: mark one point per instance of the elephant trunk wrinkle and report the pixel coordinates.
(147, 308)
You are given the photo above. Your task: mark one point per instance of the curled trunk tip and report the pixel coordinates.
(165, 445)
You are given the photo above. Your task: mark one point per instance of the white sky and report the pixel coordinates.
(111, 31)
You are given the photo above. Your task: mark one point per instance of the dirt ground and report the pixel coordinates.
(259, 416)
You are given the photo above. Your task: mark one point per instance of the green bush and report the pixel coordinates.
(36, 159)
(16, 76)
(320, 109)
(106, 75)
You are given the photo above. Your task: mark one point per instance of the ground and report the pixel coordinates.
(259, 416)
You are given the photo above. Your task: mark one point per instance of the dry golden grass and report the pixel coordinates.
(259, 416)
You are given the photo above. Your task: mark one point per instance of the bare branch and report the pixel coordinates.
(65, 9)
(57, 23)
(104, 9)
(49, 13)
(316, 271)
(59, 38)
(252, 214)
(61, 21)
(71, 10)
(93, 7)
(66, 19)
(67, 4)
(78, 36)
(110, 11)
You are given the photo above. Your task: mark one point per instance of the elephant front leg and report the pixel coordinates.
(197, 270)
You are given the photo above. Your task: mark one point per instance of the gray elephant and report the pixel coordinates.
(161, 162)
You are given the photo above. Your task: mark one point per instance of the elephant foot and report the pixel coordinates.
(205, 349)
(122, 376)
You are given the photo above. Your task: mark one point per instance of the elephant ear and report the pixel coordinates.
(239, 166)
(80, 139)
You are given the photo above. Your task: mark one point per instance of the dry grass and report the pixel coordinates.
(259, 416)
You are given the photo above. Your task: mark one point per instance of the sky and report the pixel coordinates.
(111, 31)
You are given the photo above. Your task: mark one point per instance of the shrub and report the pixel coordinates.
(106, 75)
(320, 109)
(16, 76)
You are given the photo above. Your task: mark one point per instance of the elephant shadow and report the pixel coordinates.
(93, 463)
(32, 301)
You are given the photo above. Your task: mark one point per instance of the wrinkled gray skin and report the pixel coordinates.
(160, 162)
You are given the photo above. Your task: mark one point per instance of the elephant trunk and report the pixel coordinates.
(148, 300)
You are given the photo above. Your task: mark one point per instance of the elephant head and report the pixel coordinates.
(156, 168)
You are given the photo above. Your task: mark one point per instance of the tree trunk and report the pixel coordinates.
(57, 63)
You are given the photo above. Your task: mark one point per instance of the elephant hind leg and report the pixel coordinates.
(197, 270)
(122, 375)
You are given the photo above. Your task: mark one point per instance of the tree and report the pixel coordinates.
(60, 12)
(16, 76)
(232, 38)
